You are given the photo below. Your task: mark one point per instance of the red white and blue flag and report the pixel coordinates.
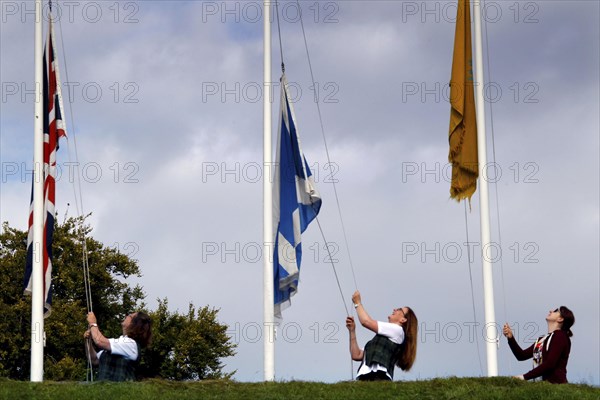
(296, 202)
(54, 128)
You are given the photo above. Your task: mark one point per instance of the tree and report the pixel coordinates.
(112, 299)
(186, 347)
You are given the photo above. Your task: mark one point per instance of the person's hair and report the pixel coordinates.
(408, 351)
(568, 320)
(140, 329)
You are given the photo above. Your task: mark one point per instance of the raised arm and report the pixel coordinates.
(97, 336)
(518, 352)
(363, 316)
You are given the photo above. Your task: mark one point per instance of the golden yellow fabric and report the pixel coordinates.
(463, 125)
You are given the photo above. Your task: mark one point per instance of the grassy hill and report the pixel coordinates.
(448, 388)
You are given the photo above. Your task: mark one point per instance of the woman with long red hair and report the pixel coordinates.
(394, 343)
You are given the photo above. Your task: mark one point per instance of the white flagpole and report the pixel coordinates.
(37, 295)
(268, 286)
(491, 332)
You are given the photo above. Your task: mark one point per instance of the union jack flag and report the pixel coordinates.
(54, 128)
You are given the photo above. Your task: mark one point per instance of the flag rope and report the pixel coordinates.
(78, 195)
(337, 199)
(337, 279)
(279, 34)
(77, 192)
(328, 159)
(489, 74)
(472, 290)
(329, 163)
(495, 183)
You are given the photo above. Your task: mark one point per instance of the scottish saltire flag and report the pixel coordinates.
(54, 128)
(296, 202)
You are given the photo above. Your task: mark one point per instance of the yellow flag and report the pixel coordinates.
(463, 124)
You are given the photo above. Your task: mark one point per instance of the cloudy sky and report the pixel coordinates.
(166, 99)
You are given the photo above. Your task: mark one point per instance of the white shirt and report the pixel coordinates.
(393, 332)
(123, 346)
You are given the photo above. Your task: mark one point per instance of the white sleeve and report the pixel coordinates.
(124, 346)
(394, 332)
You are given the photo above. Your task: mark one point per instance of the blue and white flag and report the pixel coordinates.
(296, 202)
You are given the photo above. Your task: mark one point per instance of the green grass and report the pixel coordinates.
(448, 388)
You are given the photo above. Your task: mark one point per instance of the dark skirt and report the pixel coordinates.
(374, 376)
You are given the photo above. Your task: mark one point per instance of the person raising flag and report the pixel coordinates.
(394, 343)
(118, 357)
